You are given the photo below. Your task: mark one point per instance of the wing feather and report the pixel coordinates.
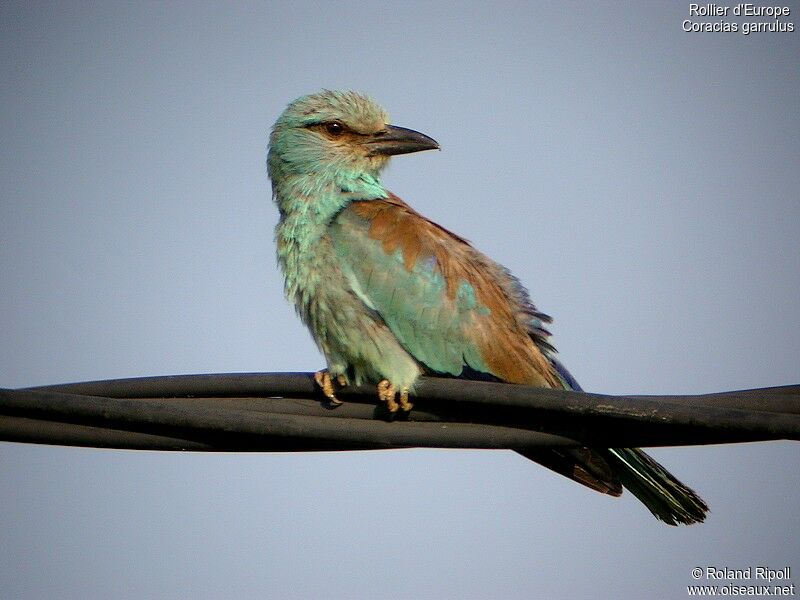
(450, 306)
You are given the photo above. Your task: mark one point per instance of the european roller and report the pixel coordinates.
(389, 295)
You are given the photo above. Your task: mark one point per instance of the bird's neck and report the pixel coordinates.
(308, 203)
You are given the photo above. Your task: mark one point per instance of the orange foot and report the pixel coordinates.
(324, 381)
(386, 393)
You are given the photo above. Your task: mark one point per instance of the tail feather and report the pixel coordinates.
(609, 470)
(583, 465)
(667, 498)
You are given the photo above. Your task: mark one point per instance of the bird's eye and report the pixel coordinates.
(334, 128)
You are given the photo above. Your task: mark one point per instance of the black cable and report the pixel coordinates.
(284, 411)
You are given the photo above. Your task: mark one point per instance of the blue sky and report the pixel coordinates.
(640, 180)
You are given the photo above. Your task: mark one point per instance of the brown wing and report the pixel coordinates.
(500, 327)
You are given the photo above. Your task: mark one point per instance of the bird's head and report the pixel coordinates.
(337, 133)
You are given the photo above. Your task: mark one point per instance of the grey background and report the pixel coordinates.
(642, 181)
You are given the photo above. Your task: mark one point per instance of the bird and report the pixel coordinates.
(390, 296)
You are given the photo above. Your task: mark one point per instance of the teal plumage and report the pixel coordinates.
(389, 295)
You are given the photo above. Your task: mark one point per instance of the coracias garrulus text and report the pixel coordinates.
(389, 295)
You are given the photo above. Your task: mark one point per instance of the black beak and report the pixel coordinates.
(399, 140)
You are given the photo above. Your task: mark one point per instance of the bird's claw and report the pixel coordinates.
(386, 393)
(325, 382)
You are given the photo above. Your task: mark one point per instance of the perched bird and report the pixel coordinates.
(389, 295)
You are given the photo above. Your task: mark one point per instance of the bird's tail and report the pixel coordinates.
(664, 496)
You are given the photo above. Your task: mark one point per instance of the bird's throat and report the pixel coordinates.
(308, 204)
